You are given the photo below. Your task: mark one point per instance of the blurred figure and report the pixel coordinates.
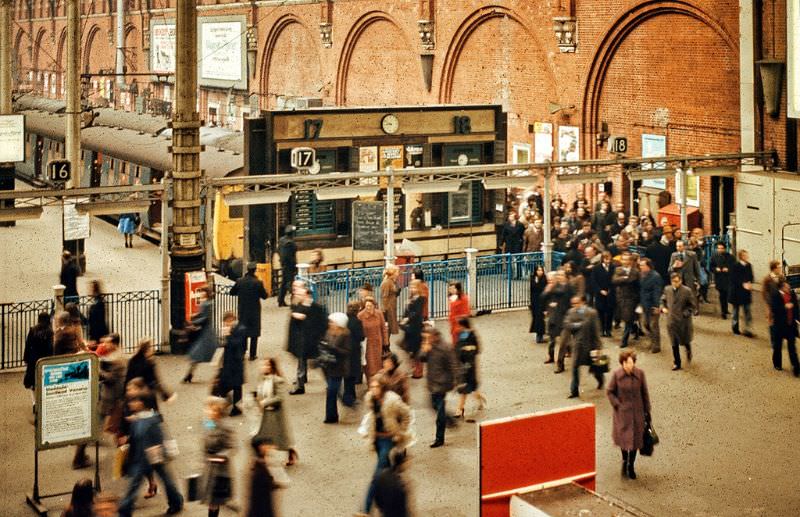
(556, 298)
(538, 281)
(467, 350)
(458, 307)
(105, 505)
(143, 365)
(69, 276)
(38, 344)
(441, 376)
(317, 262)
(630, 398)
(354, 372)
(375, 332)
(423, 290)
(262, 484)
(249, 291)
(626, 282)
(391, 490)
(205, 341)
(80, 505)
(231, 376)
(389, 293)
(217, 440)
(582, 327)
(112, 384)
(136, 387)
(98, 327)
(412, 322)
(287, 249)
(651, 287)
(67, 337)
(308, 324)
(742, 293)
(785, 314)
(395, 377)
(334, 357)
(270, 398)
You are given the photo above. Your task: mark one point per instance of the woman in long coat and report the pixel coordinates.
(413, 318)
(630, 399)
(458, 308)
(98, 326)
(205, 343)
(354, 372)
(538, 282)
(38, 344)
(374, 327)
(270, 397)
(217, 440)
(389, 292)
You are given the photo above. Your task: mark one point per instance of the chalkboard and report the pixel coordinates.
(368, 225)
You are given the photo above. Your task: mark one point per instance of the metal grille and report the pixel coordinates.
(134, 315)
(15, 321)
(503, 280)
(223, 301)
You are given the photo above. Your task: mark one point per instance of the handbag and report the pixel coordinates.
(600, 361)
(155, 454)
(649, 440)
(120, 462)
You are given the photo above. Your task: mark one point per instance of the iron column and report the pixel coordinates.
(73, 112)
(6, 169)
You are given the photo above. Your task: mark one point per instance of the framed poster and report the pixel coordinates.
(76, 225)
(569, 147)
(12, 138)
(368, 162)
(222, 51)
(66, 398)
(162, 45)
(391, 156)
(542, 142)
(793, 58)
(654, 146)
(692, 189)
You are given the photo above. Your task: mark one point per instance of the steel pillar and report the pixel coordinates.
(73, 112)
(6, 26)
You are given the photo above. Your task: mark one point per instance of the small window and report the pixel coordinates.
(459, 204)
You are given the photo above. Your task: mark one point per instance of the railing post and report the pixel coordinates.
(472, 275)
(3, 336)
(58, 297)
(731, 238)
(548, 256)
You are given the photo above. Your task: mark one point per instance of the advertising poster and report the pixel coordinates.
(568, 147)
(193, 282)
(793, 57)
(67, 398)
(654, 146)
(414, 156)
(162, 47)
(76, 225)
(12, 138)
(221, 51)
(368, 162)
(692, 190)
(392, 156)
(542, 142)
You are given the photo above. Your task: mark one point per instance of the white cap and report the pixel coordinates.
(339, 319)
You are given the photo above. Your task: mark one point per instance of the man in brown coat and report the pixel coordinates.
(679, 304)
(533, 237)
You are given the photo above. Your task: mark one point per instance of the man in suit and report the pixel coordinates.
(582, 330)
(249, 291)
(685, 263)
(742, 293)
(651, 288)
(603, 291)
(626, 282)
(721, 264)
(512, 235)
(679, 304)
(783, 306)
(533, 236)
(660, 254)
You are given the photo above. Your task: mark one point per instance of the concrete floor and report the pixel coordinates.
(727, 422)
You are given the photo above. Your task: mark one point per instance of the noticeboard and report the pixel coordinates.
(76, 225)
(368, 225)
(66, 400)
(12, 138)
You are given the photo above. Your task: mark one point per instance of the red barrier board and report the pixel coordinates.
(193, 281)
(544, 448)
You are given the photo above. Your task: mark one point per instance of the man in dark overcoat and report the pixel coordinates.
(604, 296)
(70, 271)
(287, 250)
(231, 376)
(659, 252)
(512, 235)
(582, 329)
(742, 292)
(785, 314)
(556, 299)
(686, 263)
(722, 263)
(626, 282)
(307, 325)
(679, 304)
(250, 291)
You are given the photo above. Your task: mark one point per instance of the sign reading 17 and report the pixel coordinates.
(312, 127)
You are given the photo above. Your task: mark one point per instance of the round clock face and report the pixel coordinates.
(390, 124)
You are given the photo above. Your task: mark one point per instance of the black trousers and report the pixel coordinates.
(676, 351)
(287, 277)
(777, 349)
(723, 300)
(253, 346)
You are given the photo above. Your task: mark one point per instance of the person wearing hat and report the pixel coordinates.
(287, 250)
(250, 291)
(334, 357)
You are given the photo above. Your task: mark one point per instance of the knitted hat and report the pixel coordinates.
(339, 319)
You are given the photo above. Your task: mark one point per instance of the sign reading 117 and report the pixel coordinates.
(303, 157)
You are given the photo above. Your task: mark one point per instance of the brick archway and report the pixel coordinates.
(462, 35)
(38, 41)
(614, 37)
(87, 49)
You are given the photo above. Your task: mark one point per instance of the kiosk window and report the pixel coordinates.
(460, 204)
(310, 215)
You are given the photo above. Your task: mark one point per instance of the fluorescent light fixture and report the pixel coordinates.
(326, 194)
(17, 214)
(259, 197)
(112, 207)
(431, 187)
(509, 182)
(583, 177)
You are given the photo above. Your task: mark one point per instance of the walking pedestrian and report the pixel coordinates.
(458, 307)
(261, 502)
(217, 441)
(722, 263)
(38, 344)
(112, 384)
(630, 398)
(741, 293)
(785, 314)
(375, 331)
(307, 325)
(441, 376)
(412, 321)
(771, 282)
(685, 262)
(467, 350)
(679, 304)
(651, 287)
(145, 455)
(387, 427)
(334, 357)
(660, 252)
(287, 250)
(603, 291)
(395, 377)
(98, 326)
(423, 290)
(134, 388)
(127, 227)
(143, 365)
(582, 328)
(538, 281)
(69, 276)
(81, 502)
(354, 373)
(274, 422)
(389, 292)
(626, 282)
(556, 299)
(249, 291)
(67, 337)
(391, 490)
(231, 375)
(205, 342)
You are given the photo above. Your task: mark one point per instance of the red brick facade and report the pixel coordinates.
(665, 67)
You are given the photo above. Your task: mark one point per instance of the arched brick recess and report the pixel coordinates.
(94, 58)
(41, 60)
(291, 62)
(378, 57)
(132, 44)
(512, 68)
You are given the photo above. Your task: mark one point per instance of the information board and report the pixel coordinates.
(162, 46)
(369, 222)
(66, 398)
(76, 225)
(222, 47)
(12, 138)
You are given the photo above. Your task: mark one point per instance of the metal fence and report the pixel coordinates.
(223, 301)
(502, 281)
(134, 315)
(15, 321)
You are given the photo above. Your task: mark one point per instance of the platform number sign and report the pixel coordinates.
(303, 158)
(617, 145)
(59, 170)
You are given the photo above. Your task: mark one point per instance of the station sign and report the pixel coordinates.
(59, 170)
(303, 158)
(617, 144)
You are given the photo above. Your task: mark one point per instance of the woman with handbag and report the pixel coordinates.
(269, 396)
(630, 399)
(375, 331)
(218, 438)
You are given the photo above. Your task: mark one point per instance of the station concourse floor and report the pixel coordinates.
(728, 423)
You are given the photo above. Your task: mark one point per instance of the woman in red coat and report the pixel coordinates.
(628, 394)
(377, 336)
(459, 307)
